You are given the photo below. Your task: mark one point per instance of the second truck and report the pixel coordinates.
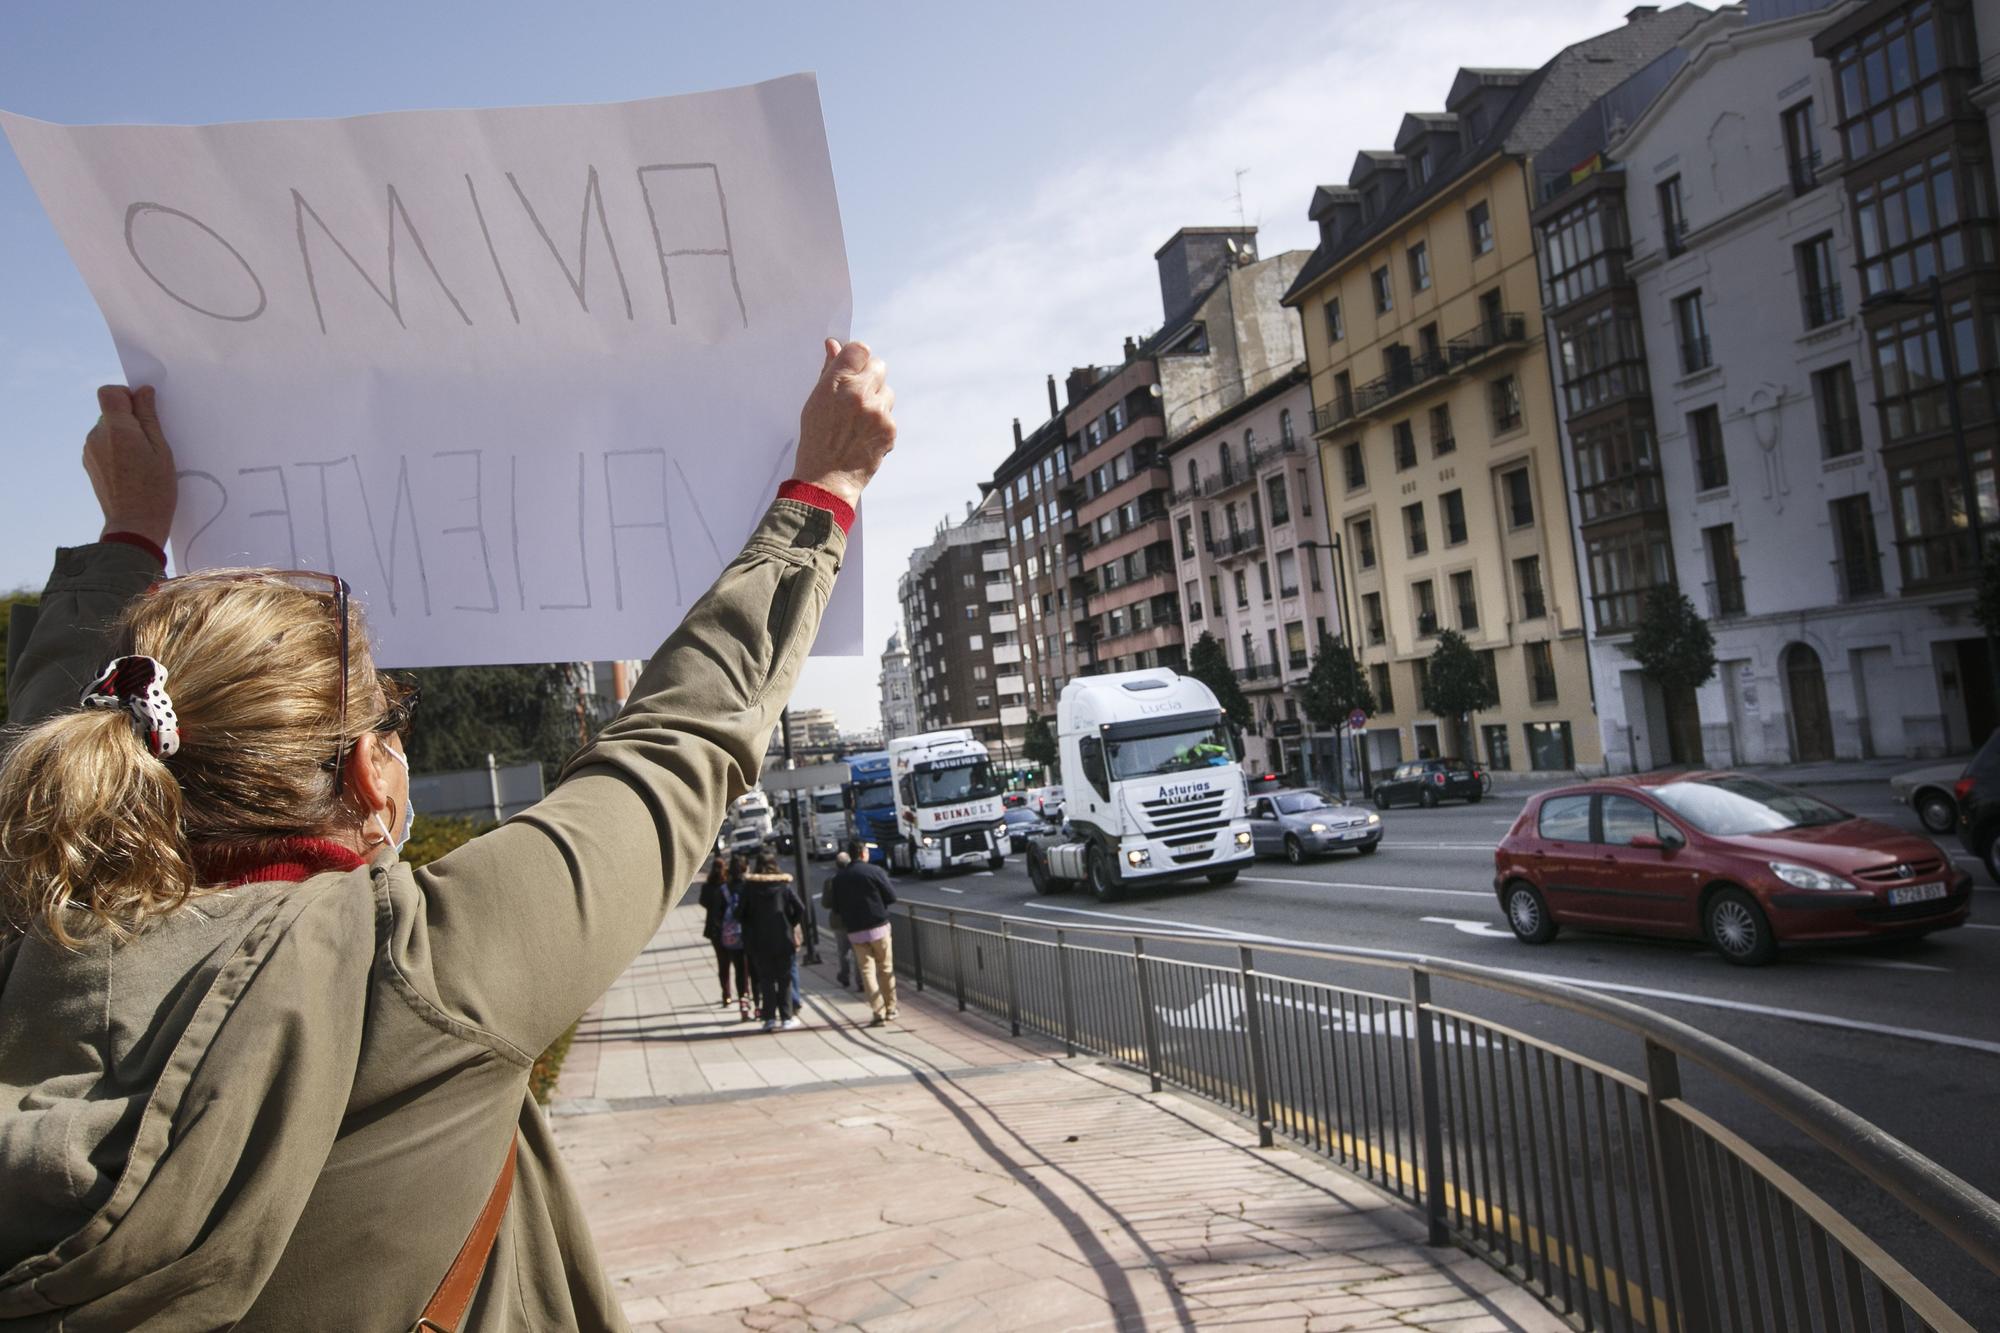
(947, 804)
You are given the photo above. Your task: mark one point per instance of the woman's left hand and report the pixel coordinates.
(130, 464)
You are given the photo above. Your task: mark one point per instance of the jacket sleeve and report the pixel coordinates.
(56, 648)
(888, 892)
(520, 930)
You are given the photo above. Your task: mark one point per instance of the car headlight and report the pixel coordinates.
(1243, 838)
(1805, 877)
(929, 841)
(1139, 856)
(1315, 828)
(1374, 818)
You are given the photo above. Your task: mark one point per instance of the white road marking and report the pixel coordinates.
(1195, 931)
(946, 888)
(1465, 927)
(1974, 925)
(1351, 884)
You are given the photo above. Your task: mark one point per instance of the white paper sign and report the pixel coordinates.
(525, 377)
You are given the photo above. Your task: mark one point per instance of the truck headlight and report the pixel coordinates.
(1315, 828)
(1243, 838)
(929, 841)
(1139, 856)
(1805, 877)
(999, 830)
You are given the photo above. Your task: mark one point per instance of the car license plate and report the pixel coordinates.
(1916, 893)
(1354, 833)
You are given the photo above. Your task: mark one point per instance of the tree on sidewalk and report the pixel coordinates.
(1209, 664)
(1334, 688)
(1674, 648)
(514, 713)
(1038, 746)
(1456, 685)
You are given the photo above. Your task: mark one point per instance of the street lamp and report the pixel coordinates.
(1931, 295)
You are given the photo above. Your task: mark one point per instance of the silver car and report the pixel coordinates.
(1928, 791)
(1300, 824)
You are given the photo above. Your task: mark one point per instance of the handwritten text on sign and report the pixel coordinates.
(525, 377)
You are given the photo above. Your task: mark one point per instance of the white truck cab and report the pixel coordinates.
(1152, 790)
(947, 803)
(753, 810)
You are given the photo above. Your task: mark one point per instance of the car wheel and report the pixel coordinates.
(1936, 811)
(1381, 801)
(1368, 848)
(1528, 914)
(1038, 875)
(1430, 799)
(1222, 877)
(1102, 884)
(1295, 851)
(1739, 930)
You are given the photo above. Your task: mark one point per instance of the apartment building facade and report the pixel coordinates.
(1030, 482)
(1435, 415)
(959, 625)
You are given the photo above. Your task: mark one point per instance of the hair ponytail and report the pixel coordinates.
(90, 830)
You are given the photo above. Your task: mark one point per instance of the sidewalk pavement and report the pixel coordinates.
(938, 1174)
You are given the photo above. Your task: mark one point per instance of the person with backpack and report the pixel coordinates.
(724, 933)
(861, 898)
(773, 922)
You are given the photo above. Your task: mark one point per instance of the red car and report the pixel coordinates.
(1740, 862)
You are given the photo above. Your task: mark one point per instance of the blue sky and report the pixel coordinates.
(1005, 174)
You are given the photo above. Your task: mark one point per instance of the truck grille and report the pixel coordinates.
(1168, 820)
(958, 843)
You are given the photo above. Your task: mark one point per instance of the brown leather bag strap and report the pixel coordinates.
(454, 1294)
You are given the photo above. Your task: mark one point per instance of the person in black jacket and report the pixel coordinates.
(724, 934)
(861, 897)
(773, 917)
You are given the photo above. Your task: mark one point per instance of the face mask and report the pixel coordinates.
(409, 808)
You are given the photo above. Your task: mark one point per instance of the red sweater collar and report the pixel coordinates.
(285, 861)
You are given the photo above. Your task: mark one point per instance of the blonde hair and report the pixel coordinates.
(97, 834)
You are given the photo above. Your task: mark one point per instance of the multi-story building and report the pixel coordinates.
(899, 704)
(815, 731)
(1253, 562)
(1912, 142)
(958, 614)
(1030, 482)
(1435, 413)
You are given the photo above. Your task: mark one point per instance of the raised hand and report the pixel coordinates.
(130, 464)
(845, 429)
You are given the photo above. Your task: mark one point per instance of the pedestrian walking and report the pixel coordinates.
(862, 897)
(843, 953)
(242, 1042)
(773, 919)
(724, 931)
(746, 1003)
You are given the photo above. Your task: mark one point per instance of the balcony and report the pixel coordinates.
(1858, 577)
(1257, 671)
(1296, 661)
(1341, 409)
(1237, 543)
(1427, 624)
(1618, 612)
(1635, 492)
(1938, 558)
(1228, 480)
(1805, 171)
(1725, 598)
(1376, 633)
(1496, 333)
(1822, 305)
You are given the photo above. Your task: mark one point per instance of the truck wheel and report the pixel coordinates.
(1222, 877)
(1038, 875)
(996, 861)
(1102, 882)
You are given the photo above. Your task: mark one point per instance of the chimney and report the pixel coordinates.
(1131, 349)
(1017, 432)
(1641, 12)
(1054, 410)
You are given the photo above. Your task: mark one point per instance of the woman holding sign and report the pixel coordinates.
(257, 1073)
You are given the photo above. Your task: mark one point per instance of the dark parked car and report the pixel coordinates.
(1428, 781)
(1978, 794)
(1022, 822)
(1743, 863)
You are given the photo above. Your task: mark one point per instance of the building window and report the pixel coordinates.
(1356, 469)
(1187, 537)
(1933, 217)
(1498, 756)
(1364, 542)
(1295, 645)
(1711, 462)
(1617, 468)
(1601, 358)
(1194, 477)
(1839, 417)
(1541, 673)
(1264, 579)
(1385, 296)
(1910, 367)
(1857, 559)
(972, 613)
(1549, 746)
(1421, 168)
(1622, 568)
(978, 670)
(1115, 419)
(1528, 578)
(1933, 531)
(1725, 575)
(1288, 574)
(1819, 281)
(1336, 327)
(1215, 592)
(1452, 504)
(1423, 599)
(1420, 268)
(1692, 326)
(1442, 441)
(1413, 528)
(1673, 216)
(1242, 590)
(1520, 498)
(1406, 445)
(1504, 395)
(1479, 229)
(1467, 600)
(1583, 249)
(1801, 145)
(1276, 503)
(1305, 494)
(1371, 616)
(1385, 695)
(1285, 435)
(1891, 78)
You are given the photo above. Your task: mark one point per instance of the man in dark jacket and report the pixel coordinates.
(860, 897)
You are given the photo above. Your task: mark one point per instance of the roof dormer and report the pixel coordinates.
(1378, 177)
(1337, 210)
(1478, 98)
(1427, 140)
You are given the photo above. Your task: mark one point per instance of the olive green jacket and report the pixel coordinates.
(283, 1106)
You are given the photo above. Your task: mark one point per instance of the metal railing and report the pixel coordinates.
(1610, 1195)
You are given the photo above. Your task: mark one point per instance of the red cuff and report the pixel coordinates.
(146, 544)
(807, 493)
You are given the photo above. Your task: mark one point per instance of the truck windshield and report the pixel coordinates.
(827, 803)
(960, 782)
(875, 796)
(1173, 752)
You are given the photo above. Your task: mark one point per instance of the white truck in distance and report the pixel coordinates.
(1151, 786)
(753, 810)
(947, 803)
(829, 822)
